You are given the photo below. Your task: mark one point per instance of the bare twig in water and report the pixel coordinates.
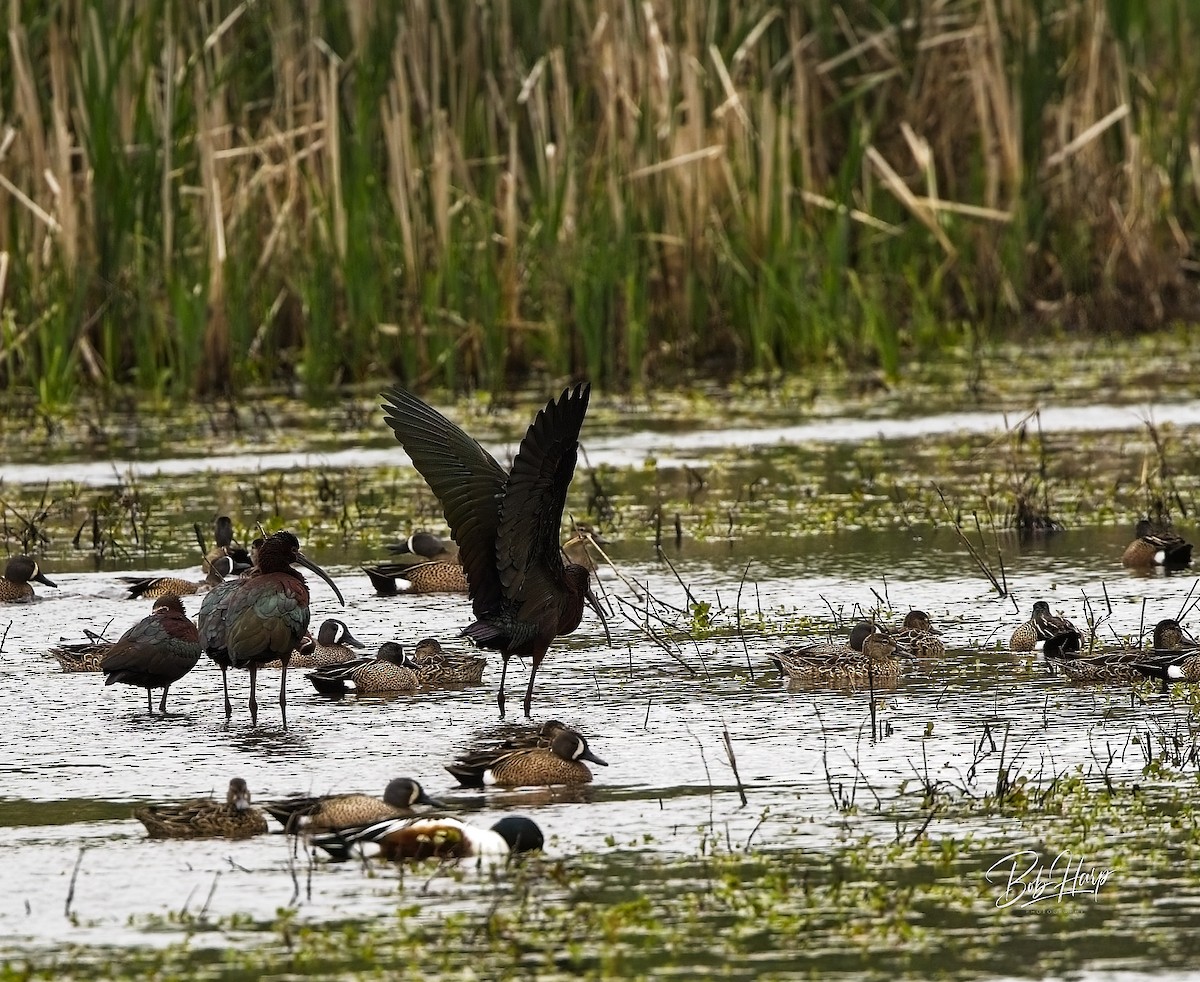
(980, 561)
(732, 761)
(741, 635)
(71, 886)
(208, 900)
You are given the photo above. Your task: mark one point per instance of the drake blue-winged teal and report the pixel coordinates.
(401, 797)
(391, 579)
(559, 761)
(424, 546)
(389, 671)
(1168, 655)
(334, 645)
(18, 572)
(433, 838)
(268, 613)
(506, 523)
(156, 652)
(152, 587)
(235, 818)
(1153, 546)
(1044, 626)
(918, 636)
(870, 657)
(437, 666)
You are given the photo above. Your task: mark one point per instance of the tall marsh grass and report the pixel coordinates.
(199, 197)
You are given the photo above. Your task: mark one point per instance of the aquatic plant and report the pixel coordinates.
(220, 196)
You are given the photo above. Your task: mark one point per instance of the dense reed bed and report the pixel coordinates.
(199, 197)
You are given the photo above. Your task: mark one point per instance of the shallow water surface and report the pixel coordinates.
(815, 765)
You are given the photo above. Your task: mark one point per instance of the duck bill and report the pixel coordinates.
(429, 802)
(588, 755)
(595, 605)
(307, 563)
(348, 639)
(42, 578)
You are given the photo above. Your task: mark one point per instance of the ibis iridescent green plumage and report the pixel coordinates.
(264, 616)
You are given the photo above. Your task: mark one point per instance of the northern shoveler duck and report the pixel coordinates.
(400, 798)
(870, 657)
(1175, 656)
(234, 818)
(556, 758)
(434, 838)
(1044, 626)
(506, 523)
(425, 546)
(390, 579)
(918, 636)
(389, 671)
(14, 585)
(156, 652)
(1153, 546)
(152, 587)
(1169, 658)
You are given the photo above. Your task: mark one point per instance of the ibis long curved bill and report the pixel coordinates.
(307, 563)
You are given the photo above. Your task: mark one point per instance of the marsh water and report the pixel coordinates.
(794, 519)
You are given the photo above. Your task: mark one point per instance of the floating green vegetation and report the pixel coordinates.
(1060, 878)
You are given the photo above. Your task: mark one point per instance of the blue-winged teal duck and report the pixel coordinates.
(870, 657)
(236, 818)
(433, 838)
(1044, 626)
(156, 652)
(918, 636)
(400, 798)
(267, 614)
(424, 546)
(334, 645)
(506, 523)
(82, 657)
(152, 587)
(14, 586)
(1122, 664)
(437, 666)
(1156, 547)
(390, 579)
(86, 656)
(559, 761)
(389, 671)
